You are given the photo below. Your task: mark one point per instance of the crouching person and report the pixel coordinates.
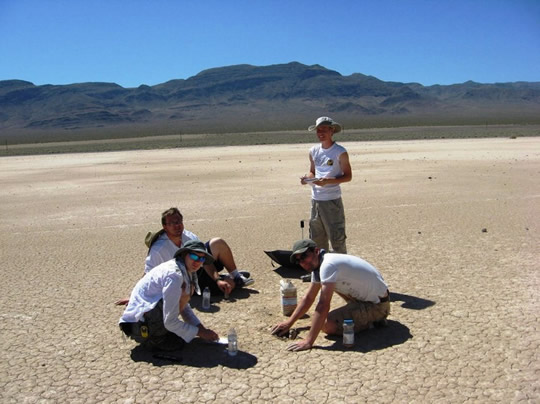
(358, 282)
(161, 296)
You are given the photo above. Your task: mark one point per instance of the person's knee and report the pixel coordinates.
(331, 327)
(222, 254)
(217, 245)
(216, 241)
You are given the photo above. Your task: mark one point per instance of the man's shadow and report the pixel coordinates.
(373, 339)
(197, 353)
(394, 333)
(411, 302)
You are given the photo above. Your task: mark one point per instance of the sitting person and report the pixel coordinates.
(160, 296)
(174, 235)
(164, 244)
(357, 281)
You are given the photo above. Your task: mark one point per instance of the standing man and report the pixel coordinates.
(357, 281)
(163, 294)
(329, 167)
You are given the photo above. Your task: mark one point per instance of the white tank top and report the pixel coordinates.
(326, 166)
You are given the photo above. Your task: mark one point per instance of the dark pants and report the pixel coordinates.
(206, 281)
(152, 332)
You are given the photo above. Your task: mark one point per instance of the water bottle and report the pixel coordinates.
(288, 297)
(348, 333)
(233, 343)
(206, 298)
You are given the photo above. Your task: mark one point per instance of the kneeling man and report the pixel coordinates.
(357, 281)
(161, 295)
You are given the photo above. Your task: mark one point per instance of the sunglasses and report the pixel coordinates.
(303, 256)
(174, 222)
(196, 258)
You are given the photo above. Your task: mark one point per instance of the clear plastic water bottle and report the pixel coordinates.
(348, 333)
(206, 298)
(233, 343)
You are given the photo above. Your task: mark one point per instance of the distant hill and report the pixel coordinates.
(245, 98)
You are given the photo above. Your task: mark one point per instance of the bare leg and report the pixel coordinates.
(222, 252)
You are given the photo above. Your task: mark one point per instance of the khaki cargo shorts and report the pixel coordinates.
(364, 314)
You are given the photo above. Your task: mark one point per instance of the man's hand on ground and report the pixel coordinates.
(301, 345)
(280, 329)
(226, 285)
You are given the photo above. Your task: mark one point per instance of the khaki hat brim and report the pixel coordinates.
(337, 127)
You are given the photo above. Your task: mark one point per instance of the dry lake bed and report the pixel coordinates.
(453, 225)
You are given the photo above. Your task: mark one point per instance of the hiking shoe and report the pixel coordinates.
(245, 274)
(241, 281)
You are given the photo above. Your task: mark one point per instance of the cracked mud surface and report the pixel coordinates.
(453, 226)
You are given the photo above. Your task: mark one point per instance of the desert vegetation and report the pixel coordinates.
(272, 137)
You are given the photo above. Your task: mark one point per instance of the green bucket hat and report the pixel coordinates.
(301, 246)
(195, 246)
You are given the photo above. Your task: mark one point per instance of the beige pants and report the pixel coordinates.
(362, 313)
(328, 223)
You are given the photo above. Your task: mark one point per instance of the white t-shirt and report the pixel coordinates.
(354, 277)
(326, 166)
(164, 249)
(164, 282)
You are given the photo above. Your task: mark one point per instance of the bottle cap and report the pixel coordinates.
(286, 284)
(348, 321)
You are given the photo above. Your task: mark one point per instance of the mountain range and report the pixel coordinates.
(245, 98)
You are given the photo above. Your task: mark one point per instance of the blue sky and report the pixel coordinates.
(134, 42)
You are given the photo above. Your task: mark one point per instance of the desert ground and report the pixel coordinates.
(453, 225)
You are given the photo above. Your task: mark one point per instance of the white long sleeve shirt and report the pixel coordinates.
(164, 249)
(167, 281)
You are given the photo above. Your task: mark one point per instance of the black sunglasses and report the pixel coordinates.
(303, 256)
